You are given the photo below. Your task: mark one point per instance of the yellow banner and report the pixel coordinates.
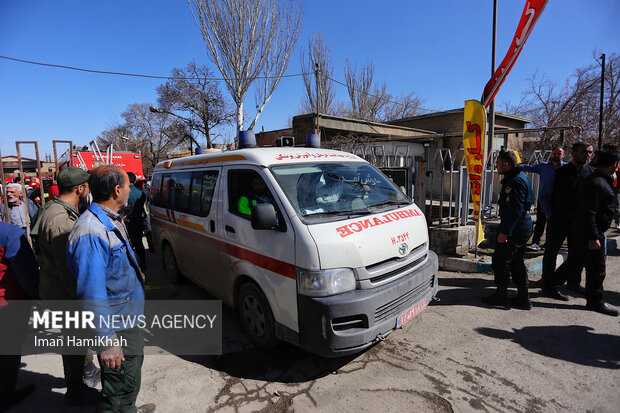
(473, 142)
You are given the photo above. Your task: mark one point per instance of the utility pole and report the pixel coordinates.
(491, 119)
(316, 80)
(492, 106)
(600, 116)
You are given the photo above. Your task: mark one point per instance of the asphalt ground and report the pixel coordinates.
(458, 355)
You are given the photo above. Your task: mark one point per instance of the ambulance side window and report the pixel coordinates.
(203, 185)
(162, 199)
(247, 188)
(239, 185)
(179, 192)
(156, 189)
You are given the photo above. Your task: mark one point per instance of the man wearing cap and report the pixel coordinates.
(50, 231)
(515, 228)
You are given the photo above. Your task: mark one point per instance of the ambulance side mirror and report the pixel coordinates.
(263, 216)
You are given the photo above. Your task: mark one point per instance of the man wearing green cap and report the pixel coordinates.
(50, 231)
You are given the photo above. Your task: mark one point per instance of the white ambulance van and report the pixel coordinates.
(312, 246)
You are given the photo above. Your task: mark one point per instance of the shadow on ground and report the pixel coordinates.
(43, 398)
(240, 358)
(576, 344)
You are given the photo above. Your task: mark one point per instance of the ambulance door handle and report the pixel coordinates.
(212, 225)
(229, 229)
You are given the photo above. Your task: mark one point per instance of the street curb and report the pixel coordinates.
(533, 265)
(456, 264)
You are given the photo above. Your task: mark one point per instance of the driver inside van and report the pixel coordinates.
(329, 190)
(258, 195)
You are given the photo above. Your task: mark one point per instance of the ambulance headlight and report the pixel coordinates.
(325, 282)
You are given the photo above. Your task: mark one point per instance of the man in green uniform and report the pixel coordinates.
(259, 195)
(51, 228)
(515, 228)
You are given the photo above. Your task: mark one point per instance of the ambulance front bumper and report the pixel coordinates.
(348, 323)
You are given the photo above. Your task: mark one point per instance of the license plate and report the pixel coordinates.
(413, 311)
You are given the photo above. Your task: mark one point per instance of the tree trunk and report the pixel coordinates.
(239, 122)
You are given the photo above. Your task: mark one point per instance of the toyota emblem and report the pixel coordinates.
(402, 249)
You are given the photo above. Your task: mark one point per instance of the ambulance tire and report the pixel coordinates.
(256, 315)
(170, 265)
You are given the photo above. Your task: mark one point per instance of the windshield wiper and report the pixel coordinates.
(391, 202)
(341, 213)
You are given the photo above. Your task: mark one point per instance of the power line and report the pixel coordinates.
(104, 72)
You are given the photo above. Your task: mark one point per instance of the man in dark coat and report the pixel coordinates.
(515, 229)
(594, 217)
(564, 201)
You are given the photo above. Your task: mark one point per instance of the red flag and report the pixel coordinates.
(531, 12)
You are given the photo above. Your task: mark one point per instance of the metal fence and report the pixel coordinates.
(449, 200)
(440, 182)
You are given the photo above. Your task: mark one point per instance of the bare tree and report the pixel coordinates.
(152, 134)
(317, 57)
(192, 91)
(119, 136)
(401, 107)
(348, 142)
(246, 39)
(366, 100)
(575, 103)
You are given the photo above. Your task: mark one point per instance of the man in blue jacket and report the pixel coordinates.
(546, 172)
(136, 214)
(515, 228)
(110, 280)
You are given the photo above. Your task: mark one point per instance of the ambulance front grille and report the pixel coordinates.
(398, 271)
(393, 307)
(384, 272)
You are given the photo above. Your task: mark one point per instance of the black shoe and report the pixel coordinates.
(81, 396)
(498, 298)
(16, 397)
(602, 308)
(521, 302)
(146, 408)
(552, 292)
(540, 283)
(576, 288)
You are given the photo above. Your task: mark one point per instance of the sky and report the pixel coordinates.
(439, 49)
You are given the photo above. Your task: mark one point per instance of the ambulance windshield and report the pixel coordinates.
(339, 189)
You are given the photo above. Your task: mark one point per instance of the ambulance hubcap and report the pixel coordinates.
(254, 315)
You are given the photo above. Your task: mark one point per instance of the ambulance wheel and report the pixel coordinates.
(256, 315)
(170, 265)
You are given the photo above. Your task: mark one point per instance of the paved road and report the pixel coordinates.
(458, 355)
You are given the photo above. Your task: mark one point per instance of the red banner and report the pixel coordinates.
(531, 12)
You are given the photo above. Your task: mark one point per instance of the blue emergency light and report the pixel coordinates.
(247, 139)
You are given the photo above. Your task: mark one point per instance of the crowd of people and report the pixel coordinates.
(87, 246)
(578, 201)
